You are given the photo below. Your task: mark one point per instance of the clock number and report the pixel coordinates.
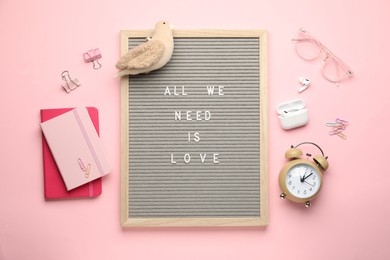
(290, 182)
(289, 176)
(304, 192)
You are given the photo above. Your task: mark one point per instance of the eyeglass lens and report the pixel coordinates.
(332, 70)
(308, 48)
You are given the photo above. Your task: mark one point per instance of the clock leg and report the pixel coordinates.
(308, 204)
(282, 196)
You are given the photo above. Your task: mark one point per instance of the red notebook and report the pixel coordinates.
(54, 186)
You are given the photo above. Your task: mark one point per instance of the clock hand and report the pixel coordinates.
(305, 177)
(302, 178)
(310, 184)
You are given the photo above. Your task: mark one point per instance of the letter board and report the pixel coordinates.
(194, 148)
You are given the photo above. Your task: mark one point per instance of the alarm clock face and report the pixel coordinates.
(303, 181)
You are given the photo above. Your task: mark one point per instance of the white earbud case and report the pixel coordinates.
(292, 114)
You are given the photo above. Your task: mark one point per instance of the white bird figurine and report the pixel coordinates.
(150, 55)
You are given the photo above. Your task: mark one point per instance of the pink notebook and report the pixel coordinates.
(54, 186)
(76, 147)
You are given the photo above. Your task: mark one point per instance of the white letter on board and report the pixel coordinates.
(189, 115)
(210, 90)
(198, 115)
(187, 158)
(207, 115)
(216, 158)
(177, 115)
(182, 91)
(167, 92)
(172, 161)
(196, 137)
(220, 90)
(174, 91)
(202, 158)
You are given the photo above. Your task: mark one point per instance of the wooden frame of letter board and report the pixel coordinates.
(126, 221)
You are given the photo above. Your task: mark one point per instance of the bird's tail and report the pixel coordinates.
(121, 73)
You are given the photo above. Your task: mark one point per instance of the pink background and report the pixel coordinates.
(350, 220)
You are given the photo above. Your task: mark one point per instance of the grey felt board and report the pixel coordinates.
(227, 187)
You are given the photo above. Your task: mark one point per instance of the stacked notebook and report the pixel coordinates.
(73, 157)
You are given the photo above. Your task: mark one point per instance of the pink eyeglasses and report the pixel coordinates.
(333, 68)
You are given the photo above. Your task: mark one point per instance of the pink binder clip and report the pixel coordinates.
(92, 56)
(70, 84)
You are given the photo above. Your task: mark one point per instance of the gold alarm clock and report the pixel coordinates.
(301, 179)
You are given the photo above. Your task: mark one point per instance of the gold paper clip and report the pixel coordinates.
(88, 170)
(70, 84)
(342, 135)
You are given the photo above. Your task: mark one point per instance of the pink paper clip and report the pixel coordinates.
(336, 131)
(70, 84)
(93, 56)
(341, 121)
(338, 127)
(82, 166)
